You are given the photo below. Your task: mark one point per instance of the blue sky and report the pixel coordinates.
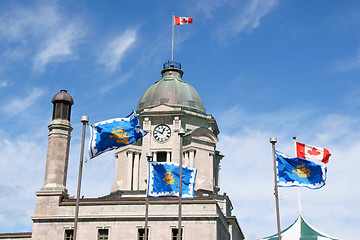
(262, 68)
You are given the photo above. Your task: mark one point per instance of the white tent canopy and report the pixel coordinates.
(301, 230)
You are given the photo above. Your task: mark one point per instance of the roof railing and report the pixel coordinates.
(172, 64)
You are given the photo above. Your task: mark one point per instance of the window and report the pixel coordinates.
(161, 157)
(103, 234)
(174, 234)
(69, 234)
(141, 234)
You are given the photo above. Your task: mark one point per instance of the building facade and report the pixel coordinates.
(164, 108)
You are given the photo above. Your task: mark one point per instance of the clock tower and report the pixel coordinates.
(165, 107)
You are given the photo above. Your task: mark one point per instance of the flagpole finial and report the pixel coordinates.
(181, 132)
(294, 138)
(84, 119)
(273, 140)
(149, 156)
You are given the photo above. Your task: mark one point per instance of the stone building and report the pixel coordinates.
(164, 108)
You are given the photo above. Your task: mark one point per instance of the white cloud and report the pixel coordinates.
(352, 97)
(114, 51)
(349, 64)
(16, 53)
(3, 83)
(39, 32)
(59, 47)
(22, 161)
(247, 169)
(247, 19)
(208, 7)
(252, 14)
(19, 24)
(7, 192)
(17, 105)
(115, 83)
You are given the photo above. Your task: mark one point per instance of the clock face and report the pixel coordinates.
(162, 133)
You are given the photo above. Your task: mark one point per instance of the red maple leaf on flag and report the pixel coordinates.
(314, 152)
(185, 20)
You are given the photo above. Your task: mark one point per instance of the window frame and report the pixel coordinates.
(69, 231)
(104, 236)
(176, 237)
(142, 236)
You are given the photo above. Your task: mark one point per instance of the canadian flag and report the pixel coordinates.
(309, 152)
(182, 20)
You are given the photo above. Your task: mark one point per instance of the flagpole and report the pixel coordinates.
(149, 157)
(273, 140)
(172, 39)
(181, 135)
(298, 188)
(146, 216)
(84, 120)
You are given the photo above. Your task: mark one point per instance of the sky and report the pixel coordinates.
(263, 68)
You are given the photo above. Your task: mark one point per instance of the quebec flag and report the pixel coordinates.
(164, 180)
(113, 133)
(298, 172)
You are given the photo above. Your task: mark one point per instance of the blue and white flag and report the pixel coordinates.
(298, 172)
(164, 180)
(114, 133)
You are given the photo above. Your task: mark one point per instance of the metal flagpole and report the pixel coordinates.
(84, 120)
(149, 157)
(299, 200)
(298, 188)
(181, 134)
(273, 140)
(146, 217)
(172, 39)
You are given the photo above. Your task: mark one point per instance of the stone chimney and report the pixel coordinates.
(59, 143)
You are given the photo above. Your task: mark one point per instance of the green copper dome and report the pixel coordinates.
(172, 91)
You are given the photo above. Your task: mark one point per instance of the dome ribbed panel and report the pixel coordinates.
(171, 91)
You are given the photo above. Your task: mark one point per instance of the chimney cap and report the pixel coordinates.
(63, 96)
